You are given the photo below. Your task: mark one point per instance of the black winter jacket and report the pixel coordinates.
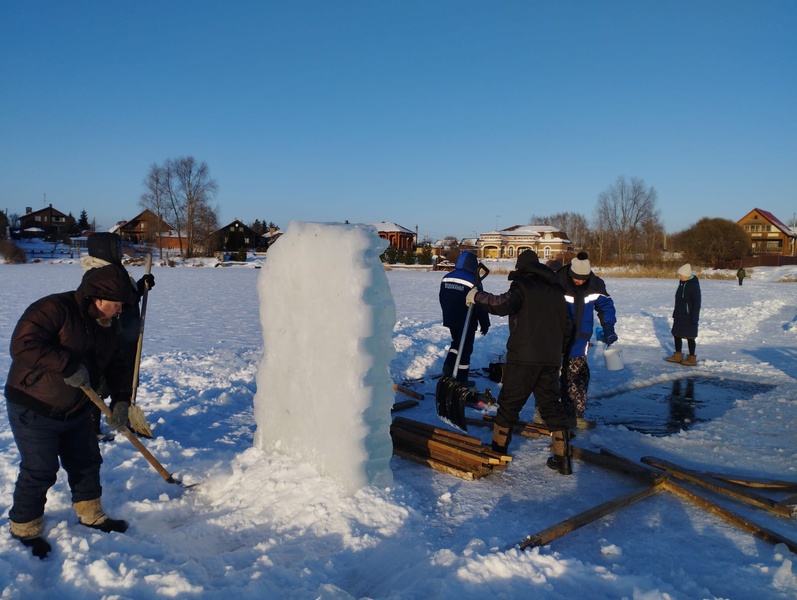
(55, 335)
(539, 323)
(686, 313)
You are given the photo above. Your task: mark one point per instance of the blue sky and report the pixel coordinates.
(455, 117)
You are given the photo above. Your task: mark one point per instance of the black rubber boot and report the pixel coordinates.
(38, 546)
(110, 525)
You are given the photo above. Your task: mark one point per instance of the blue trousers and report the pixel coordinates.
(467, 348)
(42, 442)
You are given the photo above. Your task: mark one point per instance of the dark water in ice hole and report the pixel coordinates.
(666, 408)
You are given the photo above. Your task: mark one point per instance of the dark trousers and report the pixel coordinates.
(467, 349)
(42, 442)
(691, 344)
(522, 380)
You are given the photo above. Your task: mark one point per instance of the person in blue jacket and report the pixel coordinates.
(453, 289)
(586, 294)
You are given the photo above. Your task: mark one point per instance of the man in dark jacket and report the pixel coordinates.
(539, 328)
(453, 289)
(586, 294)
(61, 343)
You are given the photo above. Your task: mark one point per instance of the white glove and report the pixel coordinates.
(470, 299)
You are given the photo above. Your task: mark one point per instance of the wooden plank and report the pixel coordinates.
(451, 438)
(542, 429)
(411, 425)
(756, 482)
(442, 449)
(436, 465)
(618, 463)
(718, 486)
(403, 405)
(549, 534)
(409, 392)
(730, 516)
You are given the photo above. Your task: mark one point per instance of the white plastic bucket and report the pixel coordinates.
(614, 358)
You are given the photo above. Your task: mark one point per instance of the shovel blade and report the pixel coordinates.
(450, 397)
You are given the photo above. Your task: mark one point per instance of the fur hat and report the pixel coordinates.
(580, 267)
(685, 270)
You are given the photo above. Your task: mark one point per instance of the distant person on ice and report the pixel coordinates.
(685, 316)
(106, 249)
(539, 330)
(740, 274)
(586, 294)
(453, 289)
(61, 343)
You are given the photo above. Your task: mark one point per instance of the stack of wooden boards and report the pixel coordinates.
(454, 453)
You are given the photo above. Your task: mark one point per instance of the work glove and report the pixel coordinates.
(484, 329)
(609, 336)
(118, 414)
(79, 378)
(146, 283)
(470, 299)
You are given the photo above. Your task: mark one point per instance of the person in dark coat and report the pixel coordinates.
(539, 330)
(586, 295)
(453, 289)
(740, 275)
(105, 248)
(61, 343)
(685, 316)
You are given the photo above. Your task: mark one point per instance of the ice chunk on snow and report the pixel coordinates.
(324, 391)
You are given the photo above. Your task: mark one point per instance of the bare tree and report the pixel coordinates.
(154, 198)
(573, 224)
(624, 211)
(182, 189)
(195, 189)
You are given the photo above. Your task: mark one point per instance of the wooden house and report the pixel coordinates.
(768, 234)
(47, 221)
(147, 228)
(237, 236)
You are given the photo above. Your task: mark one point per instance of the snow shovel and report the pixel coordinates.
(138, 421)
(452, 395)
(135, 441)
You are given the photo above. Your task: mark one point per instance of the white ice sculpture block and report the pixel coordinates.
(324, 390)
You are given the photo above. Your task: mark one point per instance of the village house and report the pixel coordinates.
(236, 237)
(47, 221)
(397, 236)
(548, 242)
(768, 234)
(147, 228)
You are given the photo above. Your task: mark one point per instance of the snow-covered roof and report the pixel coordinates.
(386, 227)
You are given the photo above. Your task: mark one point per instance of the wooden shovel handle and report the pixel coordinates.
(130, 436)
(140, 334)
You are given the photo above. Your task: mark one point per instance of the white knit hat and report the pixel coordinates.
(685, 270)
(580, 267)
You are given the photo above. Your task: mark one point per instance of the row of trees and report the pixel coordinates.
(627, 228)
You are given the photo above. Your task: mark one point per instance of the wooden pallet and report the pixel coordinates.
(447, 451)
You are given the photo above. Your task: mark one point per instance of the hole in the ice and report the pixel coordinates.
(666, 408)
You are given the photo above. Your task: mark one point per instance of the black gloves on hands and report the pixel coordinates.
(609, 336)
(79, 378)
(118, 416)
(484, 329)
(146, 283)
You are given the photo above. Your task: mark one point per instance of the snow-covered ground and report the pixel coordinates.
(266, 526)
